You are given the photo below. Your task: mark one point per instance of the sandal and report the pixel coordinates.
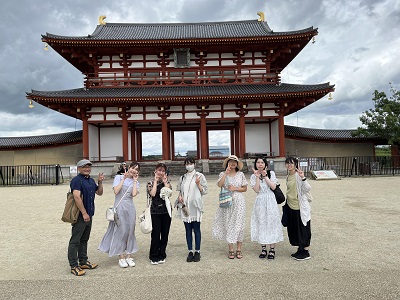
(263, 253)
(271, 253)
(239, 254)
(231, 255)
(88, 265)
(77, 271)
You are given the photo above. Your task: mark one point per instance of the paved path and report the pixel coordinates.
(355, 250)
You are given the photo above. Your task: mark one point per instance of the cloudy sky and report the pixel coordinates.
(357, 49)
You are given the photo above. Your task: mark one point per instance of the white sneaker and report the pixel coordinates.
(161, 261)
(122, 263)
(154, 262)
(130, 262)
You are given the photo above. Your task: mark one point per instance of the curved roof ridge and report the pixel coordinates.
(324, 134)
(173, 31)
(41, 140)
(153, 91)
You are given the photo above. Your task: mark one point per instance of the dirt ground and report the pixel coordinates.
(354, 250)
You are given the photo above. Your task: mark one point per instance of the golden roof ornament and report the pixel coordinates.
(101, 20)
(262, 17)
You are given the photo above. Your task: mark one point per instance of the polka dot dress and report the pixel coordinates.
(229, 222)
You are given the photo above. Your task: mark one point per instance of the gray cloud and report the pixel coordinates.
(356, 49)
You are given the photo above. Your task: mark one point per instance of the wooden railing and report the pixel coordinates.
(140, 77)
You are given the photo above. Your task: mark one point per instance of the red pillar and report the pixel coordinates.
(204, 153)
(85, 138)
(165, 139)
(125, 139)
(133, 145)
(242, 136)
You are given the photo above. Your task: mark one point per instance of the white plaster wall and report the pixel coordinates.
(275, 137)
(111, 143)
(257, 138)
(93, 142)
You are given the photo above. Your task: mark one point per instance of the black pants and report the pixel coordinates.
(299, 235)
(159, 236)
(77, 248)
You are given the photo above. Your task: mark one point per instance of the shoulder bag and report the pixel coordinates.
(145, 223)
(225, 196)
(71, 211)
(111, 212)
(279, 196)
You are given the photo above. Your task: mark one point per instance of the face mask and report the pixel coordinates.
(190, 168)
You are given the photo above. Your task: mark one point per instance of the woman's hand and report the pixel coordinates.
(232, 188)
(156, 178)
(263, 173)
(256, 172)
(228, 170)
(165, 180)
(135, 176)
(180, 199)
(301, 173)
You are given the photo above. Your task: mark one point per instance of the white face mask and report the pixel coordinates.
(190, 168)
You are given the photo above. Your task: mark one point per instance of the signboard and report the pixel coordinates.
(324, 174)
(73, 170)
(304, 164)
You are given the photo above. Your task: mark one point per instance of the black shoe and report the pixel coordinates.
(303, 255)
(294, 254)
(263, 253)
(190, 257)
(196, 256)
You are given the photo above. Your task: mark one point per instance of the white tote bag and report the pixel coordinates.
(145, 221)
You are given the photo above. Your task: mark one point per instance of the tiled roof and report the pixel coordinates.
(265, 90)
(41, 140)
(322, 134)
(176, 31)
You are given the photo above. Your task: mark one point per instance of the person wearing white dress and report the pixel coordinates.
(229, 221)
(120, 238)
(266, 227)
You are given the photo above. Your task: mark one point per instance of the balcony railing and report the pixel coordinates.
(140, 77)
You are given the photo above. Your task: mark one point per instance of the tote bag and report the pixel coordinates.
(71, 211)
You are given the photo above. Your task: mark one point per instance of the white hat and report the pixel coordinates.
(83, 162)
(235, 158)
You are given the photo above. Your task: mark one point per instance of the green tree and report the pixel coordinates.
(384, 120)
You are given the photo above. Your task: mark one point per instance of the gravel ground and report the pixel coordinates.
(354, 250)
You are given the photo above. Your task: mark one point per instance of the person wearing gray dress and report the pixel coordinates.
(119, 239)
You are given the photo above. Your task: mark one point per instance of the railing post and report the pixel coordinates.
(57, 175)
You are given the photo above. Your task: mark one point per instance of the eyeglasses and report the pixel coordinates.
(86, 167)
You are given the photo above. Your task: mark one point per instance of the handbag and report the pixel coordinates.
(71, 211)
(111, 212)
(279, 196)
(145, 223)
(225, 198)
